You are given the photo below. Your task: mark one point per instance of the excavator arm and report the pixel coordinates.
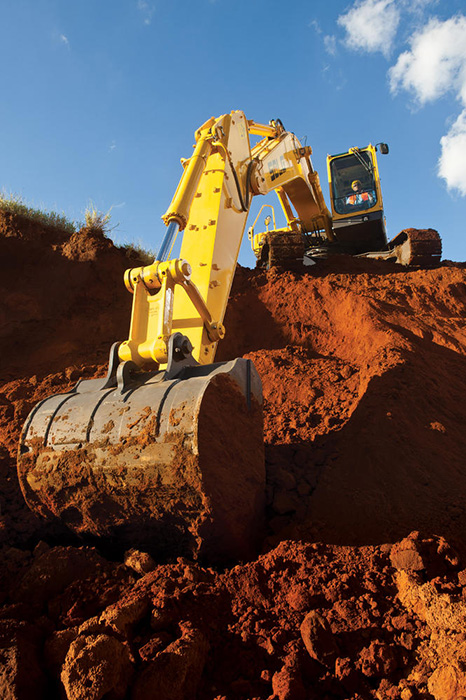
(211, 204)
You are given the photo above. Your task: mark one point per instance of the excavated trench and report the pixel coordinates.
(358, 589)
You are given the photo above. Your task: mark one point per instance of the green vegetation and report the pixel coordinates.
(14, 204)
(98, 221)
(136, 251)
(95, 220)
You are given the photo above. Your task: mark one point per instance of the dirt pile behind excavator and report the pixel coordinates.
(362, 364)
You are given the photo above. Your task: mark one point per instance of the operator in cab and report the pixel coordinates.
(360, 198)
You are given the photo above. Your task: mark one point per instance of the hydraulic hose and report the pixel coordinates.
(244, 204)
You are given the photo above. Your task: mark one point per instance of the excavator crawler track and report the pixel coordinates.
(284, 250)
(417, 247)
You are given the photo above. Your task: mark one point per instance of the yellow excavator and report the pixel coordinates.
(355, 226)
(166, 452)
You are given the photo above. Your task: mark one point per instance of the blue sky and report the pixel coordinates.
(101, 98)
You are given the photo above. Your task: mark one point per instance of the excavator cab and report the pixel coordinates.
(356, 199)
(358, 222)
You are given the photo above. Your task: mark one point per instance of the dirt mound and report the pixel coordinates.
(64, 300)
(302, 621)
(362, 365)
(362, 368)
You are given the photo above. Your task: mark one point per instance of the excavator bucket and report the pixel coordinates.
(175, 465)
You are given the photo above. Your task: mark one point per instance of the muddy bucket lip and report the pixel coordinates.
(94, 394)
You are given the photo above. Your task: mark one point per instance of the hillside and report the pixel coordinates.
(359, 590)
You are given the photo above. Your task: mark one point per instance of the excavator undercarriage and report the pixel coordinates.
(411, 248)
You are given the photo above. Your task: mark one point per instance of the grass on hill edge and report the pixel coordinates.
(146, 257)
(14, 204)
(94, 220)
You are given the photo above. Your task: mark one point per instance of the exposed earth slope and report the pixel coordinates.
(358, 591)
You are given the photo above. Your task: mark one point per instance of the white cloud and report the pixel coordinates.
(330, 44)
(147, 10)
(314, 24)
(417, 6)
(452, 161)
(371, 25)
(436, 63)
(434, 66)
(64, 39)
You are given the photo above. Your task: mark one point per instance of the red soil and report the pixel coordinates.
(362, 364)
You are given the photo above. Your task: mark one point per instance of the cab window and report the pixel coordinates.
(346, 170)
